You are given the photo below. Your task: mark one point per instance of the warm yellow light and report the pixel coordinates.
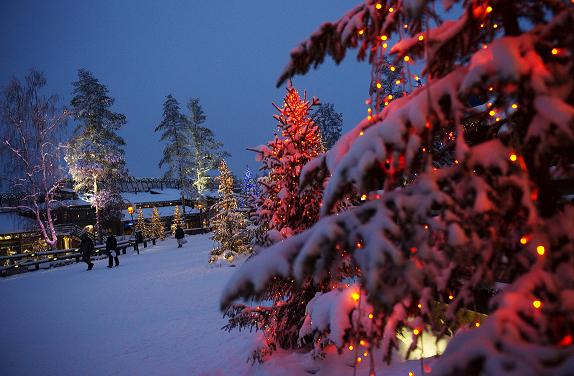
(351, 347)
(359, 360)
(555, 51)
(379, 85)
(355, 296)
(391, 10)
(386, 103)
(362, 342)
(365, 354)
(392, 68)
(371, 316)
(385, 45)
(363, 196)
(481, 25)
(421, 37)
(405, 26)
(540, 250)
(398, 82)
(361, 132)
(492, 112)
(368, 118)
(523, 240)
(361, 31)
(515, 106)
(406, 58)
(488, 9)
(497, 119)
(411, 373)
(537, 304)
(494, 26)
(384, 37)
(477, 324)
(513, 157)
(420, 306)
(450, 297)
(390, 96)
(490, 88)
(416, 332)
(378, 5)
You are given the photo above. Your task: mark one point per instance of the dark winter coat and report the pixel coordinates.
(111, 243)
(86, 246)
(179, 233)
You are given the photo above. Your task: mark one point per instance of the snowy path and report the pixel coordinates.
(157, 314)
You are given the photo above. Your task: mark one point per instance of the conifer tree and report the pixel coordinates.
(492, 218)
(281, 212)
(206, 152)
(177, 220)
(229, 225)
(250, 188)
(330, 124)
(177, 155)
(142, 226)
(157, 227)
(95, 152)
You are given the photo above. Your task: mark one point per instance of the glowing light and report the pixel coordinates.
(494, 26)
(378, 5)
(426, 227)
(523, 240)
(482, 25)
(537, 304)
(420, 306)
(555, 51)
(488, 9)
(371, 316)
(497, 119)
(492, 112)
(416, 332)
(351, 347)
(361, 132)
(477, 324)
(421, 37)
(386, 103)
(385, 45)
(450, 297)
(405, 26)
(406, 58)
(365, 354)
(355, 296)
(368, 118)
(363, 197)
(390, 96)
(540, 250)
(391, 10)
(398, 82)
(359, 360)
(515, 106)
(566, 341)
(361, 31)
(513, 157)
(392, 68)
(362, 343)
(490, 88)
(384, 37)
(369, 110)
(379, 85)
(411, 373)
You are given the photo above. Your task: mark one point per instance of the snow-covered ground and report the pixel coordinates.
(156, 314)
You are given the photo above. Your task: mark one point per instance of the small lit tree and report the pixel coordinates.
(141, 225)
(157, 227)
(177, 220)
(229, 225)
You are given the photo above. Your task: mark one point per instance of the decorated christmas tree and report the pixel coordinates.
(177, 220)
(229, 224)
(156, 226)
(282, 211)
(429, 243)
(250, 188)
(141, 225)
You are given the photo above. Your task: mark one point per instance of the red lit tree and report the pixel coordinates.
(457, 229)
(282, 211)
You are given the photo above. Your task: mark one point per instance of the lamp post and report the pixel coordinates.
(200, 207)
(131, 212)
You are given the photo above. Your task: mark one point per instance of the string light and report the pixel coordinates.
(421, 37)
(540, 250)
(390, 96)
(537, 304)
(361, 31)
(391, 10)
(378, 5)
(450, 297)
(351, 347)
(371, 316)
(477, 324)
(355, 296)
(416, 332)
(514, 106)
(494, 26)
(362, 342)
(555, 51)
(392, 68)
(384, 37)
(523, 240)
(492, 112)
(385, 45)
(359, 359)
(406, 58)
(488, 9)
(420, 306)
(398, 82)
(513, 157)
(379, 85)
(363, 197)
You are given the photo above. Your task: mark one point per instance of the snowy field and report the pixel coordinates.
(156, 314)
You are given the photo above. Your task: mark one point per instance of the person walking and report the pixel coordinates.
(87, 248)
(112, 245)
(180, 236)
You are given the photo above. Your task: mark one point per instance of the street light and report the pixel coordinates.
(131, 212)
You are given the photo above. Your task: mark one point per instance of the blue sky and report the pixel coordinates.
(227, 53)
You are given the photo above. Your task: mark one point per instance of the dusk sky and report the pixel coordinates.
(227, 53)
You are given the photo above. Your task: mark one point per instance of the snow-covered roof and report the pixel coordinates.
(154, 195)
(12, 222)
(164, 211)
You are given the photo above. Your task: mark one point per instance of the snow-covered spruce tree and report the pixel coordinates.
(95, 152)
(229, 225)
(177, 154)
(250, 188)
(30, 149)
(282, 211)
(493, 216)
(156, 227)
(206, 150)
(177, 220)
(330, 124)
